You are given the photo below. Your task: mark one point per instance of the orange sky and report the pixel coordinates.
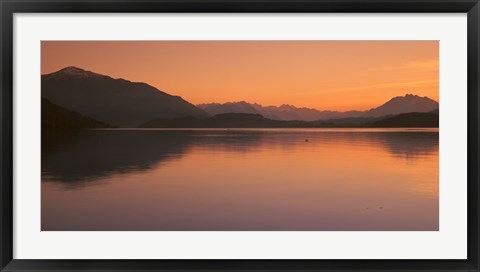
(326, 75)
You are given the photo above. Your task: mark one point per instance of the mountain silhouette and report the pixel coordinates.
(56, 117)
(412, 119)
(283, 112)
(397, 105)
(251, 120)
(229, 107)
(118, 102)
(290, 112)
(404, 104)
(89, 99)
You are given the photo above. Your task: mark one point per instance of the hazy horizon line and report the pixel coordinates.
(309, 108)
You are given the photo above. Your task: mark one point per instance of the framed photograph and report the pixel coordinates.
(239, 135)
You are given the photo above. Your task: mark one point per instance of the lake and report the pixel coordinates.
(240, 180)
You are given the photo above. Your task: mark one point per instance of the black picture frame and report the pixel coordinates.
(10, 7)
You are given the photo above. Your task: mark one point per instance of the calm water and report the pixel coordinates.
(258, 179)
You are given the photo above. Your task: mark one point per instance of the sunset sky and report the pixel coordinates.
(326, 75)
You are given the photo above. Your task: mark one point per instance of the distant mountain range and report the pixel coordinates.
(283, 112)
(397, 105)
(76, 98)
(117, 102)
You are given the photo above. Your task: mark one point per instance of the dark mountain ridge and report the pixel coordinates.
(115, 101)
(56, 117)
(411, 119)
(251, 120)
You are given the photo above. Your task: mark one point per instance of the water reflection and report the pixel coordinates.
(76, 157)
(85, 156)
(299, 179)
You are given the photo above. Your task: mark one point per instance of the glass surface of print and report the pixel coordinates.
(240, 136)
